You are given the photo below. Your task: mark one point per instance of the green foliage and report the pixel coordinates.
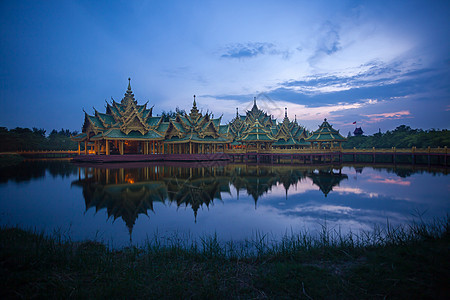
(35, 139)
(402, 137)
(166, 116)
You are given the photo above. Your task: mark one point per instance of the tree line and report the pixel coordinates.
(401, 137)
(36, 139)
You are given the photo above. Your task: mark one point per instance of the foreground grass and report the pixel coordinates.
(392, 262)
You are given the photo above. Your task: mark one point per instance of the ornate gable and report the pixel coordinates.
(208, 130)
(172, 131)
(134, 123)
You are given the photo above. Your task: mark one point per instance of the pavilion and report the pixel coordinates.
(325, 137)
(129, 128)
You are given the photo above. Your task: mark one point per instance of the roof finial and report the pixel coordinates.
(237, 112)
(325, 119)
(285, 112)
(295, 118)
(195, 104)
(254, 100)
(129, 83)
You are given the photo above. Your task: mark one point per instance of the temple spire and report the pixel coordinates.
(129, 97)
(285, 112)
(255, 107)
(237, 112)
(194, 111)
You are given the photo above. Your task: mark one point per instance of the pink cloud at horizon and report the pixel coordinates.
(373, 118)
(403, 114)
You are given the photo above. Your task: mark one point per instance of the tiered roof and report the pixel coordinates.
(241, 125)
(326, 133)
(196, 127)
(289, 133)
(256, 133)
(122, 120)
(128, 120)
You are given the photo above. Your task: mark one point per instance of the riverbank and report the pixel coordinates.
(393, 262)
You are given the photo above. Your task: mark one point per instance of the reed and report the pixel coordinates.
(389, 261)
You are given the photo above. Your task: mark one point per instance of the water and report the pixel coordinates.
(130, 203)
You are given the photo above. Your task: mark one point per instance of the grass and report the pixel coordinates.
(394, 262)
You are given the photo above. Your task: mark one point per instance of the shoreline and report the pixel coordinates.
(395, 262)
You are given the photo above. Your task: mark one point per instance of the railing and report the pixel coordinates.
(281, 151)
(411, 150)
(47, 152)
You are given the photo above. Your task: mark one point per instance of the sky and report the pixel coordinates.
(380, 64)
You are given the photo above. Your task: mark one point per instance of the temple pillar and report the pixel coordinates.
(85, 148)
(79, 148)
(121, 147)
(107, 147)
(190, 148)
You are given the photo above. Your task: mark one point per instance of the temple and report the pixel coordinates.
(129, 128)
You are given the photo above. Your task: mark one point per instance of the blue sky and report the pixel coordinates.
(379, 63)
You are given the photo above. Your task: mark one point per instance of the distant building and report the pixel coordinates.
(358, 131)
(325, 137)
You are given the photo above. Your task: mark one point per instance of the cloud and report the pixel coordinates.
(353, 190)
(327, 44)
(250, 50)
(374, 118)
(391, 181)
(374, 74)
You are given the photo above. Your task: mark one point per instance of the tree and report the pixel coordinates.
(402, 137)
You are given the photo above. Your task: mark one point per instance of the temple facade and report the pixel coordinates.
(129, 128)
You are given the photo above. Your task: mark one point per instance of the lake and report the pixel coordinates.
(130, 203)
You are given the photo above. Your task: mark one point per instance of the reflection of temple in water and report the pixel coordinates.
(327, 179)
(126, 193)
